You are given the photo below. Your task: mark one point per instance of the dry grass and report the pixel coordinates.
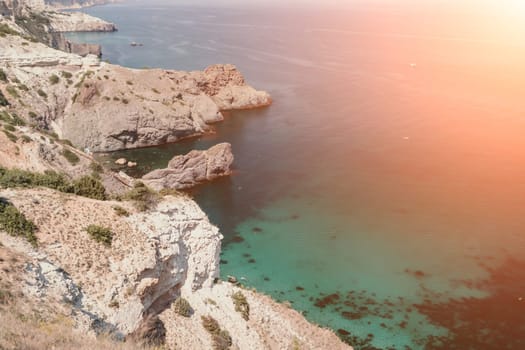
(23, 328)
(28, 323)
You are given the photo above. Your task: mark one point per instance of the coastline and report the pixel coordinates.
(290, 326)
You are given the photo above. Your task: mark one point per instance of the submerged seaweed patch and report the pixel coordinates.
(495, 322)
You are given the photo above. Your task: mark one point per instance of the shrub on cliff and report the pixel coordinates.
(66, 74)
(54, 79)
(151, 333)
(21, 178)
(96, 168)
(100, 234)
(15, 223)
(88, 186)
(41, 93)
(6, 30)
(9, 127)
(11, 136)
(12, 119)
(71, 157)
(241, 305)
(221, 339)
(143, 197)
(121, 211)
(11, 89)
(3, 76)
(182, 307)
(3, 101)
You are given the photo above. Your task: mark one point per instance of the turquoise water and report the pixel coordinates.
(375, 196)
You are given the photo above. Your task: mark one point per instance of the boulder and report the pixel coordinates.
(196, 167)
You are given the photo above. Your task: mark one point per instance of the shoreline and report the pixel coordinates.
(73, 87)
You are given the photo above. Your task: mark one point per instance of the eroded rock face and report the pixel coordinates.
(130, 108)
(153, 257)
(193, 168)
(78, 22)
(104, 107)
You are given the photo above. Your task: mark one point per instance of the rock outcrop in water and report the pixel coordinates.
(228, 89)
(192, 169)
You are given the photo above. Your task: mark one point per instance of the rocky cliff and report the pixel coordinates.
(34, 20)
(155, 257)
(104, 107)
(77, 22)
(75, 4)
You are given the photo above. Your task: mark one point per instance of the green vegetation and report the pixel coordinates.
(169, 192)
(12, 91)
(23, 87)
(66, 75)
(26, 139)
(87, 74)
(21, 178)
(12, 119)
(121, 211)
(15, 223)
(143, 197)
(32, 115)
(54, 79)
(66, 142)
(6, 30)
(100, 234)
(16, 120)
(182, 307)
(241, 305)
(3, 76)
(114, 304)
(9, 127)
(210, 324)
(41, 93)
(71, 157)
(6, 297)
(88, 186)
(221, 338)
(11, 136)
(96, 167)
(3, 101)
(210, 301)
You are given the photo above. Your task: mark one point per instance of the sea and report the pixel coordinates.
(382, 195)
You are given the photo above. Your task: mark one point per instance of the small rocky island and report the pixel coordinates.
(93, 259)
